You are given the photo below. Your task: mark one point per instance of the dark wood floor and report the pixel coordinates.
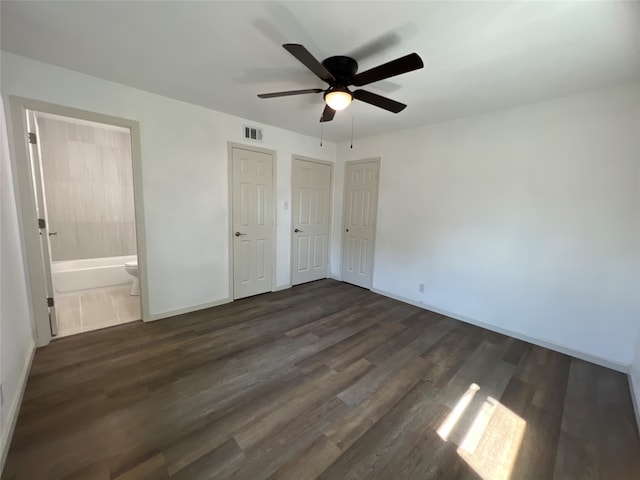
(324, 380)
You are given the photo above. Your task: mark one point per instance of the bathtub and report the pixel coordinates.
(73, 275)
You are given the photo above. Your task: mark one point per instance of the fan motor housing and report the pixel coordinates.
(341, 67)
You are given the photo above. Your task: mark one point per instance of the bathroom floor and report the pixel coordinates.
(88, 310)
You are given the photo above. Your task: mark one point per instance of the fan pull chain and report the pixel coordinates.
(352, 115)
(321, 133)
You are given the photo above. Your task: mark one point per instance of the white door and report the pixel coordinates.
(361, 205)
(42, 218)
(310, 209)
(253, 222)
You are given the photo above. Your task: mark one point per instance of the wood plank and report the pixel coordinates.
(267, 456)
(385, 439)
(300, 400)
(221, 462)
(310, 463)
(359, 420)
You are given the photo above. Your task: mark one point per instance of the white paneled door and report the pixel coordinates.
(310, 209)
(361, 205)
(253, 222)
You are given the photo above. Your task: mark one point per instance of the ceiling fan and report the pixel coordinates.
(340, 72)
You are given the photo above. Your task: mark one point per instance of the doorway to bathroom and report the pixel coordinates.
(83, 184)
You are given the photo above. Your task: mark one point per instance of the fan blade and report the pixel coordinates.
(379, 101)
(290, 92)
(309, 61)
(401, 65)
(327, 114)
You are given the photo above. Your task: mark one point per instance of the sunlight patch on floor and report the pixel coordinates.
(491, 444)
(452, 419)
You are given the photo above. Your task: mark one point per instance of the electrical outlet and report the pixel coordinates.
(421, 287)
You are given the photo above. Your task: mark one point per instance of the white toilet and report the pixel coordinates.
(132, 269)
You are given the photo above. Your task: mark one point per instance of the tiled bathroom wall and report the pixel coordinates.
(88, 186)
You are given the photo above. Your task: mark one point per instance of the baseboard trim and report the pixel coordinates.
(635, 398)
(282, 287)
(202, 306)
(193, 308)
(14, 409)
(604, 362)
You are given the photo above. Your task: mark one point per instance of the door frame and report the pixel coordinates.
(274, 158)
(23, 183)
(377, 160)
(291, 237)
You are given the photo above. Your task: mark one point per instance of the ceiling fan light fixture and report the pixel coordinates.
(340, 72)
(338, 99)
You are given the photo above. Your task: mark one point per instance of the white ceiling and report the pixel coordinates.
(479, 56)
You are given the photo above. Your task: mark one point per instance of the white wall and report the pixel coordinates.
(635, 380)
(16, 333)
(527, 219)
(184, 170)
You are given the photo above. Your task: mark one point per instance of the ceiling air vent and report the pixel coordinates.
(252, 133)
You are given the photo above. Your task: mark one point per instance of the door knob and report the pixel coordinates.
(296, 230)
(51, 234)
(238, 234)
